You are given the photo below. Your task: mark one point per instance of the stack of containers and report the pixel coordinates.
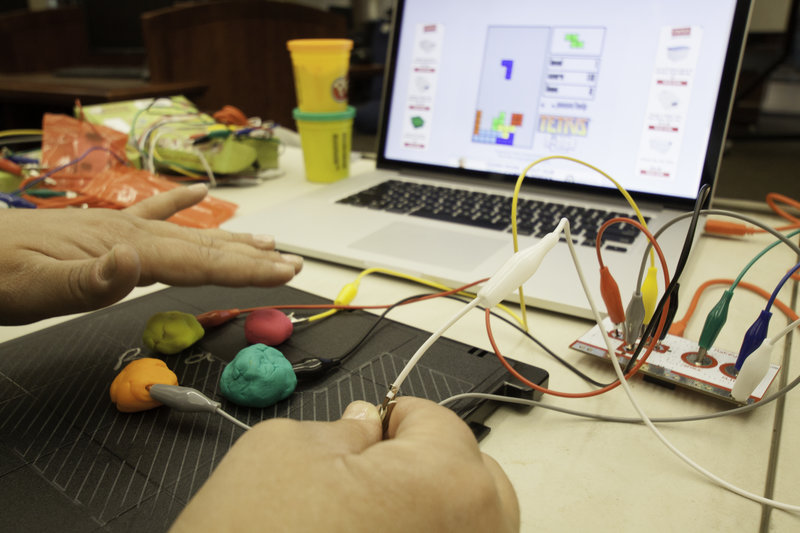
(324, 120)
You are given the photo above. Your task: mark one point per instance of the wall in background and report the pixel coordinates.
(770, 16)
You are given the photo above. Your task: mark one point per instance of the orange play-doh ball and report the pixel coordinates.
(130, 389)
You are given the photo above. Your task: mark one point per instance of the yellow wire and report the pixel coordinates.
(420, 281)
(325, 314)
(182, 171)
(523, 319)
(514, 212)
(434, 285)
(12, 133)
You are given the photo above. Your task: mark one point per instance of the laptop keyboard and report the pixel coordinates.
(493, 211)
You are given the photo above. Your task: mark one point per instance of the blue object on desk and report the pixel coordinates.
(10, 200)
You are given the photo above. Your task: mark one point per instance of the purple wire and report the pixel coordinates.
(780, 286)
(65, 165)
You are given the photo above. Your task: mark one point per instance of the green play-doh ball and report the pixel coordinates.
(172, 331)
(259, 376)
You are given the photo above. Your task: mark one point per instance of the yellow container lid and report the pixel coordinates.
(315, 45)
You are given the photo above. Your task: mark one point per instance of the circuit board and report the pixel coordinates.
(673, 362)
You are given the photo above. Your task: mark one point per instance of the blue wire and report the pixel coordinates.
(65, 165)
(780, 286)
(21, 159)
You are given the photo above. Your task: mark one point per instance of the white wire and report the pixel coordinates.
(624, 419)
(626, 387)
(211, 180)
(427, 344)
(151, 154)
(236, 421)
(155, 137)
(785, 331)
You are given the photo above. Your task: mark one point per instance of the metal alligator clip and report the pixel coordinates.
(386, 408)
(295, 320)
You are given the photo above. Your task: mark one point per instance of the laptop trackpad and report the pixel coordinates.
(450, 249)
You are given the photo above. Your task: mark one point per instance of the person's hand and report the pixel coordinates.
(61, 261)
(428, 475)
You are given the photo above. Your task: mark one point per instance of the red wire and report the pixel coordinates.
(607, 223)
(641, 360)
(355, 307)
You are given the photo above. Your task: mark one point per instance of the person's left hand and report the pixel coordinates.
(61, 261)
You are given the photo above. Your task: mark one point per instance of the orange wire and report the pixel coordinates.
(639, 363)
(774, 198)
(678, 327)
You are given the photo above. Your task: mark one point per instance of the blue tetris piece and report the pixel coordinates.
(508, 64)
(509, 141)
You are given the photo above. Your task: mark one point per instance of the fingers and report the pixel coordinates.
(164, 205)
(423, 421)
(182, 263)
(205, 237)
(357, 430)
(188, 256)
(74, 286)
(182, 256)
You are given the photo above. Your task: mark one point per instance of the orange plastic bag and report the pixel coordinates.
(102, 177)
(65, 139)
(124, 186)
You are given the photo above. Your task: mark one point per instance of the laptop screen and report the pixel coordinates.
(640, 89)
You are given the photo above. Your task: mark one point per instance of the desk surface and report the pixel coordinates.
(573, 474)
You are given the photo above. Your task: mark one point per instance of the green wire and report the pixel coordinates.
(757, 257)
(716, 318)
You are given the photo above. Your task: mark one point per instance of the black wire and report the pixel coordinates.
(350, 351)
(539, 343)
(681, 264)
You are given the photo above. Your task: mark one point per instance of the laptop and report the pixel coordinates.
(476, 90)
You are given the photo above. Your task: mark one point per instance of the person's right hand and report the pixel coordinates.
(428, 475)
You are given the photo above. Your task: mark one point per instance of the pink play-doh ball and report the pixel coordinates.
(267, 326)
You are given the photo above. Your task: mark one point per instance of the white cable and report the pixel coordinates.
(785, 331)
(236, 421)
(212, 182)
(513, 273)
(155, 137)
(626, 387)
(151, 153)
(427, 344)
(624, 419)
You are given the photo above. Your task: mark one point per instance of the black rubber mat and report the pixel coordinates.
(69, 461)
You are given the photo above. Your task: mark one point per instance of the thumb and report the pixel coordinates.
(86, 285)
(358, 429)
(163, 205)
(359, 410)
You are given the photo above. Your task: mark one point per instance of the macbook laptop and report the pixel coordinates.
(476, 90)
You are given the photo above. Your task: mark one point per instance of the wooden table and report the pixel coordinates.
(25, 97)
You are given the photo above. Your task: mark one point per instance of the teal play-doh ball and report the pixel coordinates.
(259, 376)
